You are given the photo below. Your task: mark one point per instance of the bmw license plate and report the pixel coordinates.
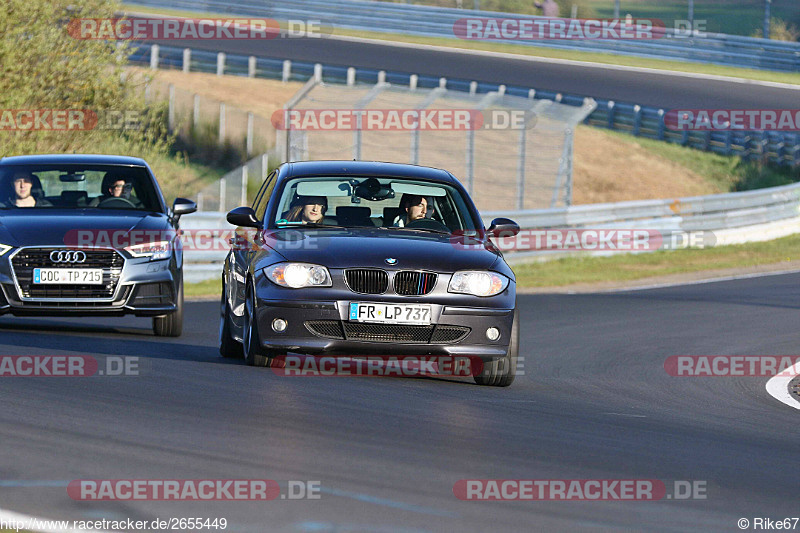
(390, 313)
(68, 276)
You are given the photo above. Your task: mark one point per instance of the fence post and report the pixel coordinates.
(351, 76)
(249, 146)
(154, 57)
(318, 71)
(171, 108)
(200, 201)
(244, 185)
(196, 111)
(264, 166)
(611, 110)
(412, 82)
(661, 125)
(187, 59)
(221, 138)
(220, 63)
(287, 71)
(251, 66)
(223, 186)
(532, 94)
(470, 159)
(381, 76)
(443, 83)
(523, 146)
(473, 88)
(637, 120)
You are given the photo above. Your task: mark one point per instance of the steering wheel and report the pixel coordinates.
(109, 202)
(427, 223)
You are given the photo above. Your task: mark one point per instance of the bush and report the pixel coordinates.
(44, 67)
(780, 30)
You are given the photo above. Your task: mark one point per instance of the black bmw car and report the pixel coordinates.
(350, 258)
(89, 235)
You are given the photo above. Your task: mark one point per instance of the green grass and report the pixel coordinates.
(737, 17)
(610, 59)
(202, 289)
(630, 267)
(723, 172)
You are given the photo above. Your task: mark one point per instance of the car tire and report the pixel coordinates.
(254, 354)
(501, 372)
(171, 325)
(228, 347)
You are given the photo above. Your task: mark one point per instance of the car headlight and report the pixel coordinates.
(297, 275)
(478, 283)
(154, 250)
(5, 248)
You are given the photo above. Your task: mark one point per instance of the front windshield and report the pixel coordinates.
(373, 202)
(71, 186)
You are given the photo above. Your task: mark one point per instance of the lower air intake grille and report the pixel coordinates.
(335, 329)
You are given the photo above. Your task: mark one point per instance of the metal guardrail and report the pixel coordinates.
(741, 215)
(713, 212)
(388, 17)
(776, 147)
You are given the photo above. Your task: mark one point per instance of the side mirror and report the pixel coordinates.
(244, 217)
(182, 206)
(503, 227)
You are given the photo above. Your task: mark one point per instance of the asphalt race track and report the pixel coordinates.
(666, 90)
(595, 403)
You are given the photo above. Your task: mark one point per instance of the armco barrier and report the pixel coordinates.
(777, 147)
(733, 217)
(389, 17)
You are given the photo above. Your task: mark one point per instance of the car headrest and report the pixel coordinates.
(77, 198)
(353, 215)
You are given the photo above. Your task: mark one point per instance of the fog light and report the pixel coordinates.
(492, 334)
(279, 325)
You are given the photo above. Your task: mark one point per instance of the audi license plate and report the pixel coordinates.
(68, 276)
(390, 313)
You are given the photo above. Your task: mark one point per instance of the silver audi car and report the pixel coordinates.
(89, 235)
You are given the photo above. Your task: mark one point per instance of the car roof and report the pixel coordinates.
(80, 159)
(364, 168)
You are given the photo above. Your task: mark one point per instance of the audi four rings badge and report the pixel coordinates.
(67, 256)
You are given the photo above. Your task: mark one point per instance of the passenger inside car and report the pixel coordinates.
(26, 191)
(308, 209)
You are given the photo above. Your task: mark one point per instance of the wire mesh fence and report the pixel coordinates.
(510, 152)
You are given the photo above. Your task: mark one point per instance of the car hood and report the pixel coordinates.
(342, 248)
(62, 227)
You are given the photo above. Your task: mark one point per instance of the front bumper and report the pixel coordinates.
(145, 288)
(322, 327)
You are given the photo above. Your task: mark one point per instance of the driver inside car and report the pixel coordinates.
(114, 187)
(415, 207)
